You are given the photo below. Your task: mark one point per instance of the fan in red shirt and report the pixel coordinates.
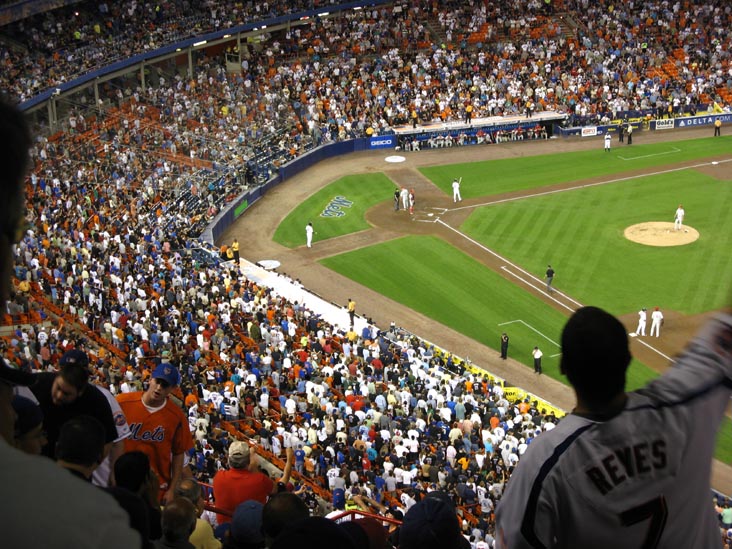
(243, 481)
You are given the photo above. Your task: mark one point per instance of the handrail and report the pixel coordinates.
(207, 492)
(351, 514)
(276, 461)
(48, 305)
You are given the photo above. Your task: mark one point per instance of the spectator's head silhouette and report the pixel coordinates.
(595, 356)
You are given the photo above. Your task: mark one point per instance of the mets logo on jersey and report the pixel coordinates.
(155, 435)
(119, 418)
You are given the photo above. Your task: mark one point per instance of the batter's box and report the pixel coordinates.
(426, 218)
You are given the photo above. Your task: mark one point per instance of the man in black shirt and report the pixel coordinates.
(549, 278)
(67, 394)
(504, 345)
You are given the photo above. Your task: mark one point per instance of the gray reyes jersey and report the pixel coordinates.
(638, 480)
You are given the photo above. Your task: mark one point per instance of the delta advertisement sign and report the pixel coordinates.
(692, 121)
(706, 120)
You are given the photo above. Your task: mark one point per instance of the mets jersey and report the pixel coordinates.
(100, 477)
(160, 434)
(639, 479)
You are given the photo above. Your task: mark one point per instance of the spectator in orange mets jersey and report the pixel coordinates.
(158, 427)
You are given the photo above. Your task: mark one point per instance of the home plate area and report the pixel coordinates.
(428, 216)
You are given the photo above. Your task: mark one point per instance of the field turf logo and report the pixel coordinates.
(335, 207)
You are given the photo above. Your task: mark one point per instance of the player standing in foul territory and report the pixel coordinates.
(624, 469)
(309, 235)
(679, 217)
(607, 142)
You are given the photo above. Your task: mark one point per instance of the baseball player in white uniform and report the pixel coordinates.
(679, 218)
(456, 190)
(642, 320)
(405, 198)
(656, 321)
(624, 469)
(309, 234)
(607, 142)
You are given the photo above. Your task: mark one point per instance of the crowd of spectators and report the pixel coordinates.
(365, 72)
(57, 46)
(378, 418)
(606, 57)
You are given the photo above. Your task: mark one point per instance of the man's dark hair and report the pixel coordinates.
(595, 355)
(179, 520)
(131, 470)
(77, 375)
(81, 441)
(281, 510)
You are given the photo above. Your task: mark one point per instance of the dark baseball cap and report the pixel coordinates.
(29, 415)
(246, 523)
(432, 524)
(168, 373)
(74, 356)
(15, 376)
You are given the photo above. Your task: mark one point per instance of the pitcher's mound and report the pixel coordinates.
(661, 233)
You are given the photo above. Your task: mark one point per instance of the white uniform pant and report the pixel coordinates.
(641, 329)
(656, 327)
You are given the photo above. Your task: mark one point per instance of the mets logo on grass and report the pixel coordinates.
(335, 207)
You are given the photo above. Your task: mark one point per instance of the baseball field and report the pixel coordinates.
(476, 267)
(569, 210)
(579, 230)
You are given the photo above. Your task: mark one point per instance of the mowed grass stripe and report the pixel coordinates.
(713, 236)
(511, 174)
(542, 222)
(457, 291)
(597, 265)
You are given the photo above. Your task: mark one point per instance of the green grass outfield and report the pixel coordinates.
(335, 210)
(580, 233)
(529, 172)
(458, 291)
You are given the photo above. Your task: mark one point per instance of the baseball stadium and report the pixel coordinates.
(454, 165)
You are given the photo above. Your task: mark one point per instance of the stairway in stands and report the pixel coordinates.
(438, 34)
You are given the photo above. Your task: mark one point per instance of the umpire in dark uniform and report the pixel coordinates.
(504, 345)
